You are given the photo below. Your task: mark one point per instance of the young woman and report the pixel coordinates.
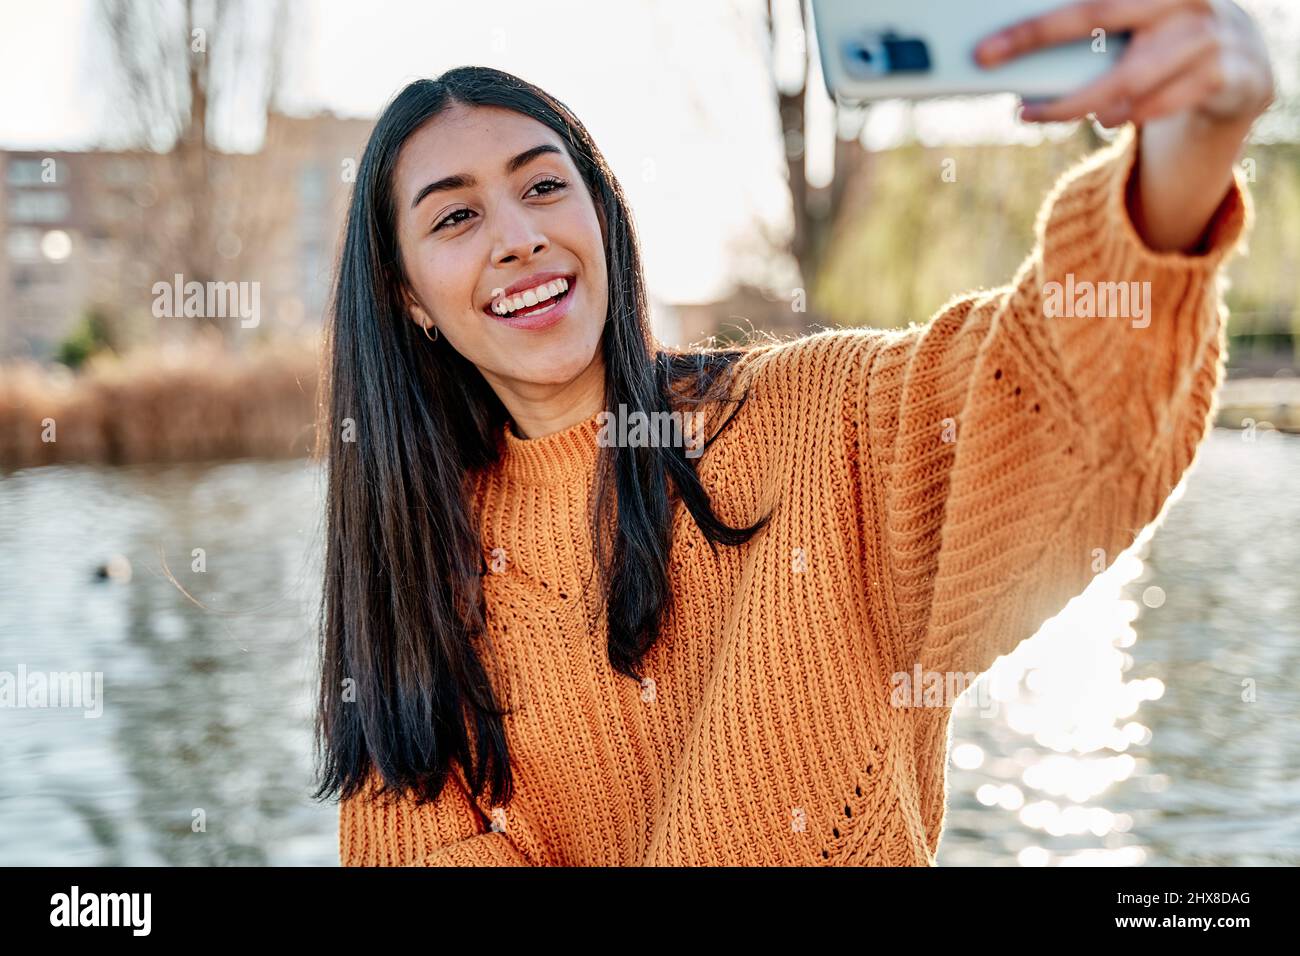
(553, 640)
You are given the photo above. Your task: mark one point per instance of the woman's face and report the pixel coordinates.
(485, 228)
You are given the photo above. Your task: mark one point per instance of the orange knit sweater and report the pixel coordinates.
(938, 492)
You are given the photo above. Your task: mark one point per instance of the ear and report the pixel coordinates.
(416, 311)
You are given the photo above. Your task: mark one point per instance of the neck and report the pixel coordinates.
(540, 410)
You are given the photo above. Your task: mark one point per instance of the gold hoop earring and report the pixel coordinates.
(426, 332)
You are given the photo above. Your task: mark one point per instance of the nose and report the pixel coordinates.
(517, 238)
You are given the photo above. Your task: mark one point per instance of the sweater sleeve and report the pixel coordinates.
(451, 831)
(1015, 444)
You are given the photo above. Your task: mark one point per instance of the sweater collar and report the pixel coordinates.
(566, 455)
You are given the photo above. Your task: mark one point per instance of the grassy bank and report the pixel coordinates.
(190, 405)
(1260, 403)
(207, 404)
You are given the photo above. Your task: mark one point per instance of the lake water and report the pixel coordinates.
(1156, 721)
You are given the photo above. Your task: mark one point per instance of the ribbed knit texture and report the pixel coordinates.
(765, 733)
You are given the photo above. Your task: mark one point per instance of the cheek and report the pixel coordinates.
(445, 285)
(586, 239)
(595, 235)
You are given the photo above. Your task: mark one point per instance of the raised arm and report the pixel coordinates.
(1023, 437)
(451, 831)
(1017, 443)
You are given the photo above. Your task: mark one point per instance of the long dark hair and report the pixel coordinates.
(404, 427)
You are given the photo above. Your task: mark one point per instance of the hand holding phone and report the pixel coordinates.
(1204, 55)
(875, 49)
(1120, 60)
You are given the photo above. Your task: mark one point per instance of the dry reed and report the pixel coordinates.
(191, 404)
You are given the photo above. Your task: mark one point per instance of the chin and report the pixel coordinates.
(551, 373)
(561, 363)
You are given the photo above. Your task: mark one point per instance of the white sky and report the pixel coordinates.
(677, 93)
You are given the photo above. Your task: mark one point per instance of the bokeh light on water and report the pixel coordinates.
(1152, 720)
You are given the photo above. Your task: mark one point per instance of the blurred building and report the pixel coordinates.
(49, 216)
(86, 229)
(744, 310)
(82, 231)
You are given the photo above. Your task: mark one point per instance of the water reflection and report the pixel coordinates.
(1152, 720)
(1121, 735)
(202, 753)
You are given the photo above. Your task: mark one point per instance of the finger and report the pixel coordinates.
(1075, 22)
(1114, 116)
(1178, 94)
(1161, 56)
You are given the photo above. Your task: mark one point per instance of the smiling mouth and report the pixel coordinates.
(517, 306)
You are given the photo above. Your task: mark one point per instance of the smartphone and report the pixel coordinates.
(914, 49)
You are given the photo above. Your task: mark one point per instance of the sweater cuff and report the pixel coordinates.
(1130, 378)
(1087, 215)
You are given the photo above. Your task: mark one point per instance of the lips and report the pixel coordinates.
(523, 285)
(543, 315)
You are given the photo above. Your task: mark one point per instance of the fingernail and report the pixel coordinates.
(993, 49)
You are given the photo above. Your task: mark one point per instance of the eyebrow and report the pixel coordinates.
(466, 181)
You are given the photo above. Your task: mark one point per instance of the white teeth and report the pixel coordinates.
(530, 297)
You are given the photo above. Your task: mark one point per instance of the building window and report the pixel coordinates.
(120, 171)
(23, 245)
(33, 172)
(113, 207)
(38, 207)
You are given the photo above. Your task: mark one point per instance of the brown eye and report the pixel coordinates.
(557, 185)
(447, 221)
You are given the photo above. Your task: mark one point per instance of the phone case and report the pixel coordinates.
(876, 49)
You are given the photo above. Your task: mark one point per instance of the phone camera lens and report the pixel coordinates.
(907, 55)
